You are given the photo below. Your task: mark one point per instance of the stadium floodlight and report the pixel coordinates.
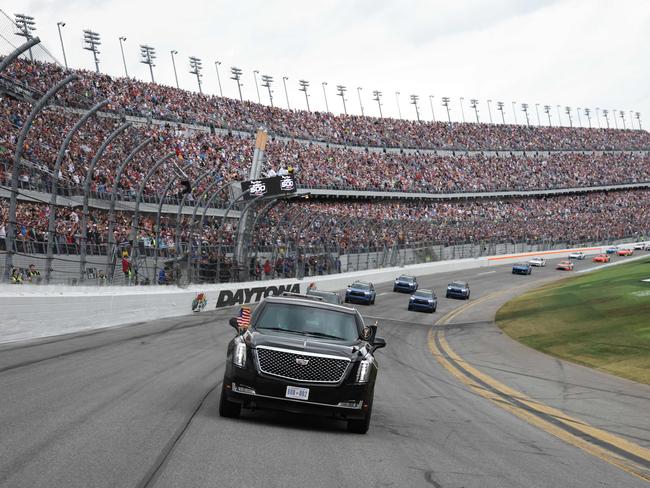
(266, 83)
(360, 104)
(414, 101)
(236, 75)
(324, 84)
(547, 109)
(286, 93)
(605, 114)
(622, 115)
(341, 89)
(26, 25)
(445, 103)
(631, 119)
(579, 119)
(537, 112)
(304, 85)
(92, 40)
(195, 69)
(598, 116)
(148, 56)
(638, 118)
(172, 52)
(399, 110)
(567, 110)
(514, 111)
(433, 114)
(614, 117)
(216, 66)
(377, 98)
(559, 116)
(462, 110)
(257, 89)
(123, 39)
(587, 114)
(65, 59)
(489, 109)
(474, 104)
(524, 108)
(500, 109)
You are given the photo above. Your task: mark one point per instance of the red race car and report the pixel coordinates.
(565, 266)
(601, 258)
(625, 252)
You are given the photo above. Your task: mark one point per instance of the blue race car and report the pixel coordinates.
(423, 301)
(522, 268)
(611, 250)
(360, 292)
(458, 289)
(406, 283)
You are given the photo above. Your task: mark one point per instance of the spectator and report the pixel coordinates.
(16, 276)
(33, 275)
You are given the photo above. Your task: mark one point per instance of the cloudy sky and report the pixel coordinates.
(578, 53)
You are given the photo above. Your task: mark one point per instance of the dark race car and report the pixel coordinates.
(360, 292)
(458, 289)
(423, 301)
(406, 284)
(302, 355)
(522, 268)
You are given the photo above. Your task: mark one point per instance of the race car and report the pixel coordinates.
(423, 301)
(601, 258)
(625, 252)
(360, 292)
(537, 261)
(611, 250)
(405, 283)
(458, 289)
(641, 246)
(577, 255)
(565, 266)
(522, 268)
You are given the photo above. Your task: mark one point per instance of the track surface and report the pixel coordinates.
(137, 406)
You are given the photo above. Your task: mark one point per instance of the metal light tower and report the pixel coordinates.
(399, 110)
(631, 119)
(445, 103)
(26, 25)
(489, 109)
(236, 75)
(360, 104)
(605, 114)
(377, 98)
(588, 115)
(537, 113)
(514, 111)
(579, 119)
(559, 116)
(286, 93)
(65, 59)
(304, 85)
(92, 40)
(638, 118)
(433, 115)
(567, 110)
(474, 104)
(195, 69)
(524, 108)
(622, 115)
(341, 93)
(598, 116)
(324, 84)
(148, 56)
(122, 39)
(216, 67)
(614, 117)
(257, 89)
(266, 83)
(462, 109)
(547, 109)
(500, 109)
(172, 52)
(414, 101)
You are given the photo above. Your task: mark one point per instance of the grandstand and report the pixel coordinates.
(384, 191)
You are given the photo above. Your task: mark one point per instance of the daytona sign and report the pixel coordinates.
(251, 295)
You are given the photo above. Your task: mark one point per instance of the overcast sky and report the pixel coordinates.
(580, 53)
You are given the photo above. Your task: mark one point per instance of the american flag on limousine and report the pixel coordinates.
(244, 318)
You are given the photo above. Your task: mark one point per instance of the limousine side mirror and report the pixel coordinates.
(378, 343)
(234, 323)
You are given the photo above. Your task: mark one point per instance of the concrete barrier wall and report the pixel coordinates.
(30, 311)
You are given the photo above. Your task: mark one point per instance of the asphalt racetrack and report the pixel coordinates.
(456, 405)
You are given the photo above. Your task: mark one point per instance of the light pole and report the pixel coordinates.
(324, 84)
(547, 109)
(605, 113)
(462, 110)
(622, 114)
(631, 119)
(255, 73)
(216, 66)
(195, 69)
(433, 115)
(514, 111)
(474, 104)
(598, 117)
(236, 75)
(123, 39)
(92, 40)
(286, 93)
(174, 66)
(500, 109)
(341, 93)
(148, 55)
(399, 111)
(266, 83)
(360, 104)
(559, 116)
(524, 108)
(638, 118)
(377, 98)
(614, 117)
(489, 109)
(587, 114)
(537, 112)
(26, 26)
(414, 101)
(445, 103)
(304, 85)
(579, 119)
(65, 59)
(567, 110)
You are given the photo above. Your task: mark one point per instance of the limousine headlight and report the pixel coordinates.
(239, 354)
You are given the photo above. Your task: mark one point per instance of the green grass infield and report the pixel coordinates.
(599, 319)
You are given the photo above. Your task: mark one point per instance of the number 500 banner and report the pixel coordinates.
(269, 187)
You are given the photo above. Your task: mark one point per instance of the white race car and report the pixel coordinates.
(642, 246)
(537, 261)
(577, 255)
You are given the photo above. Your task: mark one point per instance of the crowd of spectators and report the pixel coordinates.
(162, 102)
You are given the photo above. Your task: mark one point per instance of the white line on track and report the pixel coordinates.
(485, 273)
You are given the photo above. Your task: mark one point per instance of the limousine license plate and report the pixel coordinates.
(297, 393)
